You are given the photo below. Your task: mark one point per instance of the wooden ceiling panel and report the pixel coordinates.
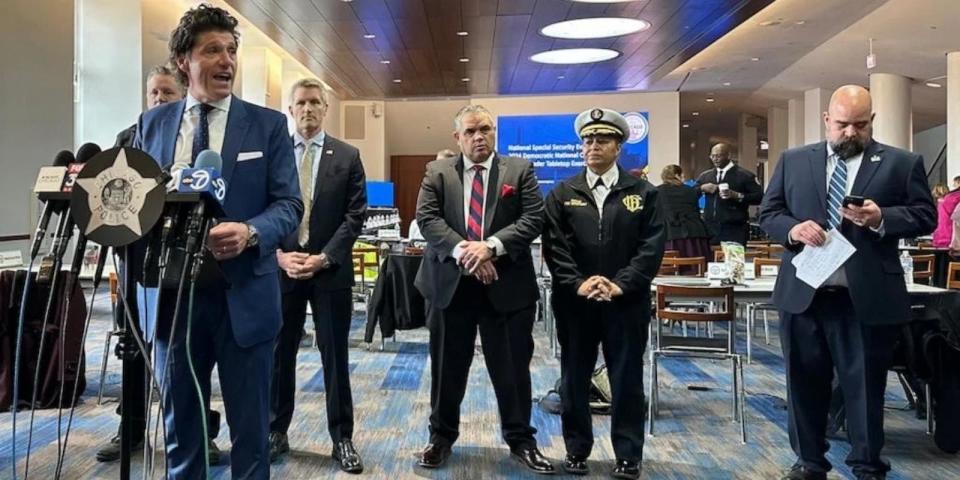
(419, 39)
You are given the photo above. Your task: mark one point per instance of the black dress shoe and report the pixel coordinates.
(278, 446)
(433, 456)
(533, 460)
(626, 469)
(347, 456)
(111, 451)
(872, 476)
(575, 465)
(799, 472)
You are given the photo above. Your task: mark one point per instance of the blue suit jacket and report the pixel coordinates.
(893, 178)
(261, 191)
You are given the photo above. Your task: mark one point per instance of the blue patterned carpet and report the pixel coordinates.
(695, 437)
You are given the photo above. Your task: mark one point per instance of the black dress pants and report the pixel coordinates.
(827, 337)
(507, 341)
(332, 314)
(581, 332)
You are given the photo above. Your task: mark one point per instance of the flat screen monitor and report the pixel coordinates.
(379, 194)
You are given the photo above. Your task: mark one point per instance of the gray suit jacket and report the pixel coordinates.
(514, 214)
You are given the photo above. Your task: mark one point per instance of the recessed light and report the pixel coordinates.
(385, 62)
(463, 33)
(369, 36)
(568, 56)
(933, 85)
(686, 125)
(465, 79)
(800, 22)
(560, 77)
(754, 59)
(397, 80)
(601, 27)
(726, 84)
(709, 100)
(464, 59)
(695, 114)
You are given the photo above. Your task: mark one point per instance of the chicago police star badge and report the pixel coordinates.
(117, 198)
(633, 203)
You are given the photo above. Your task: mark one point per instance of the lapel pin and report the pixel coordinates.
(875, 158)
(329, 152)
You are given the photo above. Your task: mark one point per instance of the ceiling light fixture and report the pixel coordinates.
(686, 125)
(569, 56)
(754, 59)
(695, 114)
(397, 80)
(599, 27)
(933, 85)
(604, 1)
(385, 62)
(465, 79)
(463, 33)
(726, 84)
(464, 59)
(369, 36)
(709, 100)
(560, 77)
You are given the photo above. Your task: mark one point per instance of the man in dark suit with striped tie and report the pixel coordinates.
(479, 212)
(850, 323)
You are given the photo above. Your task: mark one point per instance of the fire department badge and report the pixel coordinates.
(633, 203)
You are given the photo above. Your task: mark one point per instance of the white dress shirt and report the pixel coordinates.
(468, 175)
(722, 172)
(216, 121)
(316, 143)
(610, 178)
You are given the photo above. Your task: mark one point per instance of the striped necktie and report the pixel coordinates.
(475, 220)
(836, 192)
(306, 191)
(201, 137)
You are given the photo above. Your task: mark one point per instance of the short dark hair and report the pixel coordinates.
(205, 18)
(956, 179)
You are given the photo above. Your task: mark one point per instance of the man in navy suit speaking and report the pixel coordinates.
(233, 326)
(850, 323)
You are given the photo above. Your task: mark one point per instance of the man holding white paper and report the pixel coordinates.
(850, 322)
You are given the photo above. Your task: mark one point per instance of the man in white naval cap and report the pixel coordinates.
(603, 241)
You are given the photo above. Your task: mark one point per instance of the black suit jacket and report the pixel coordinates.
(336, 218)
(515, 218)
(719, 210)
(680, 207)
(125, 138)
(896, 180)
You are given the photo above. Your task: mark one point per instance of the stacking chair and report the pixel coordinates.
(753, 308)
(953, 276)
(696, 347)
(748, 255)
(674, 265)
(923, 268)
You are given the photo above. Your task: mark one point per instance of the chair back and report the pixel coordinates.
(675, 264)
(923, 267)
(759, 263)
(953, 276)
(671, 253)
(722, 310)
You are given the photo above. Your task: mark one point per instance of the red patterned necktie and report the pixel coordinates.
(475, 221)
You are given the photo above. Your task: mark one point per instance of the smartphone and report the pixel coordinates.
(853, 200)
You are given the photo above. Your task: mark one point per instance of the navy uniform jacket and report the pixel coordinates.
(625, 247)
(719, 210)
(893, 178)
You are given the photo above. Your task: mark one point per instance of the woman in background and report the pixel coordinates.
(939, 191)
(946, 205)
(686, 232)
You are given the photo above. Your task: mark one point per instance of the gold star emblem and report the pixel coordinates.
(116, 196)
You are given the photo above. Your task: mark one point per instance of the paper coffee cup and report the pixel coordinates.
(724, 187)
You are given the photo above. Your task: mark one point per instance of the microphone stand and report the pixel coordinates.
(125, 323)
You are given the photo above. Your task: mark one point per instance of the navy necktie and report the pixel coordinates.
(836, 191)
(201, 137)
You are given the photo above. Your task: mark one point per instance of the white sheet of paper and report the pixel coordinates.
(816, 264)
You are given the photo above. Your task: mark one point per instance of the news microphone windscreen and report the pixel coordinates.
(63, 158)
(209, 159)
(86, 151)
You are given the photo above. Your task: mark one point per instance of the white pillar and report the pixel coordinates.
(747, 144)
(815, 102)
(795, 136)
(261, 69)
(893, 123)
(953, 115)
(777, 134)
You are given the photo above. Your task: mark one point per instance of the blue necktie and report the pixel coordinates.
(836, 191)
(201, 138)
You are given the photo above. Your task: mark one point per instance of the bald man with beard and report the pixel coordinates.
(851, 322)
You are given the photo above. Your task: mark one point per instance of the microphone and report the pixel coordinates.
(49, 181)
(84, 153)
(204, 179)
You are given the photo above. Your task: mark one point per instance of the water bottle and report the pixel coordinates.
(906, 261)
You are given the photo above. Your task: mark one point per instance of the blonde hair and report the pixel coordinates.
(671, 174)
(939, 191)
(309, 83)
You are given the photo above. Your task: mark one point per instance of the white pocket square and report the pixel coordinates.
(244, 156)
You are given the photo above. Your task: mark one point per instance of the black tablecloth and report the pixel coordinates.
(396, 304)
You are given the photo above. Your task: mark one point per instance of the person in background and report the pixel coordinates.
(686, 232)
(946, 207)
(956, 182)
(730, 190)
(162, 87)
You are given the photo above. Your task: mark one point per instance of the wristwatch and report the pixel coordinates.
(253, 239)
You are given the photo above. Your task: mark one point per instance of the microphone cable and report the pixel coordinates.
(16, 364)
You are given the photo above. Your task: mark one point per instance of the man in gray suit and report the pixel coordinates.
(479, 212)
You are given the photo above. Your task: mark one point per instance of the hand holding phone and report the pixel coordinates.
(853, 200)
